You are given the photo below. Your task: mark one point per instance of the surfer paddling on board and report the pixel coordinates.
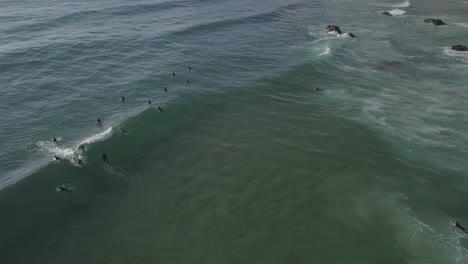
(63, 188)
(456, 224)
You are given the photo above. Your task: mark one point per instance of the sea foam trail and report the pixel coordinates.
(99, 137)
(399, 5)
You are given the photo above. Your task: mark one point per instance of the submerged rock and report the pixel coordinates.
(459, 48)
(436, 22)
(333, 28)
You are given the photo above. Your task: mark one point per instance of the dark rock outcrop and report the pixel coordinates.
(436, 22)
(459, 48)
(333, 28)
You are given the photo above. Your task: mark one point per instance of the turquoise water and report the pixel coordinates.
(248, 163)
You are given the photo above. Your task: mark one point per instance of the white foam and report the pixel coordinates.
(325, 52)
(52, 148)
(406, 3)
(71, 154)
(344, 35)
(461, 24)
(397, 12)
(98, 137)
(403, 4)
(458, 54)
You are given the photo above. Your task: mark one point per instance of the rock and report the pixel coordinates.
(436, 22)
(459, 48)
(333, 28)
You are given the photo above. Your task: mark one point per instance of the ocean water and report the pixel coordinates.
(249, 162)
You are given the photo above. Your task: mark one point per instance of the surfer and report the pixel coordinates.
(123, 130)
(160, 109)
(122, 99)
(188, 81)
(190, 68)
(78, 160)
(54, 140)
(104, 158)
(81, 147)
(63, 188)
(165, 89)
(57, 157)
(318, 89)
(149, 102)
(173, 74)
(456, 224)
(98, 121)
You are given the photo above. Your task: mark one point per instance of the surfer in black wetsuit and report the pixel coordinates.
(456, 224)
(123, 130)
(57, 157)
(54, 140)
(81, 147)
(78, 160)
(188, 81)
(104, 158)
(122, 99)
(190, 68)
(165, 89)
(99, 121)
(173, 74)
(160, 109)
(318, 89)
(63, 188)
(149, 102)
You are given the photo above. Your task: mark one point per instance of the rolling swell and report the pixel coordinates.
(94, 15)
(265, 17)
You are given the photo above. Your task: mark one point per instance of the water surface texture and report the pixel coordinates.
(281, 143)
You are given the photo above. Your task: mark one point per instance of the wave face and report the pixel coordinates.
(280, 141)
